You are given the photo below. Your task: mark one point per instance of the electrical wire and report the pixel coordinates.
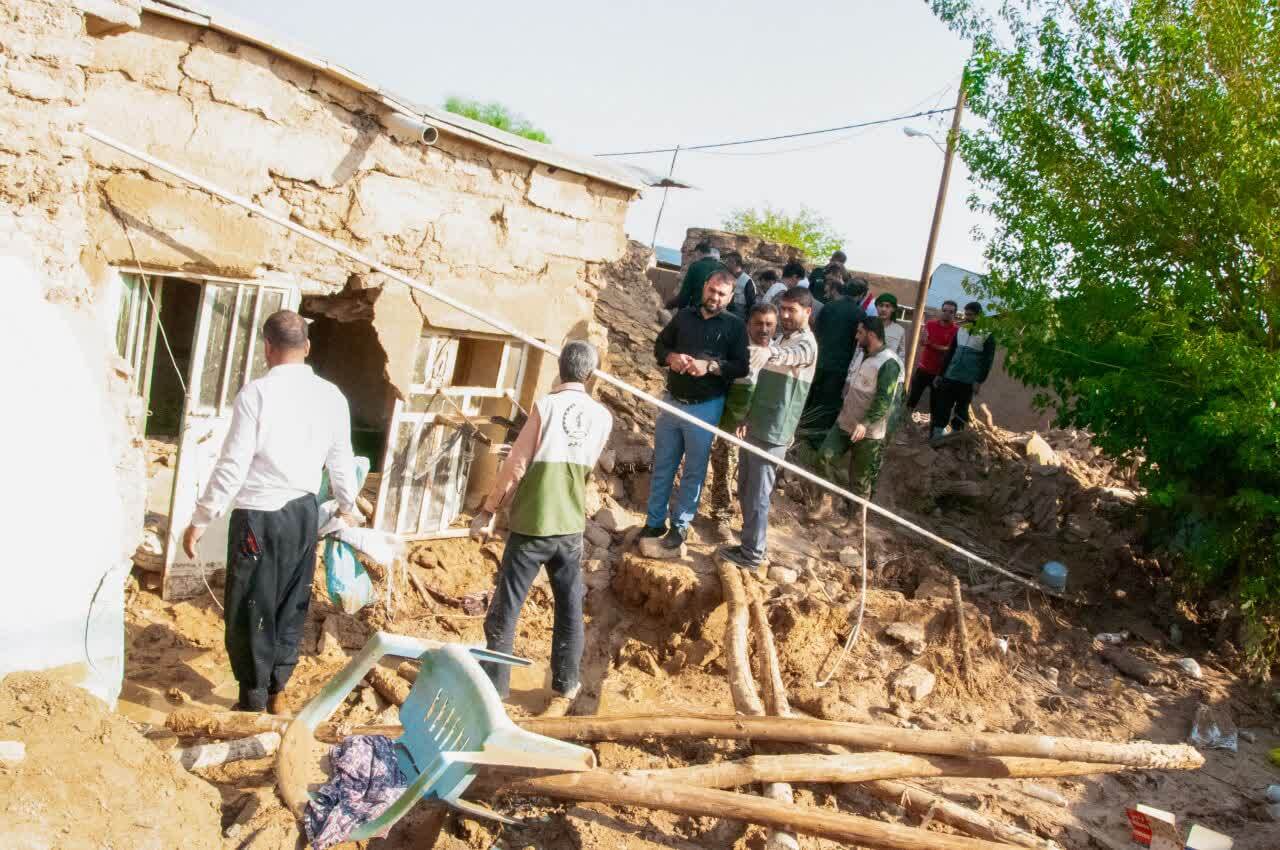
(784, 136)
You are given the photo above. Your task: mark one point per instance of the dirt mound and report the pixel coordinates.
(89, 780)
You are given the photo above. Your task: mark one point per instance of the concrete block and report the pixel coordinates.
(615, 518)
(910, 635)
(561, 192)
(393, 206)
(157, 121)
(149, 55)
(243, 78)
(1040, 451)
(106, 16)
(783, 575)
(597, 536)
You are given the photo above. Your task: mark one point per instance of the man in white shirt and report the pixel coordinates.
(286, 427)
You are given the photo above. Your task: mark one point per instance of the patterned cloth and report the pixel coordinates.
(366, 779)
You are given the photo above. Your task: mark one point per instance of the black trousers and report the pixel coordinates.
(521, 560)
(271, 557)
(920, 381)
(950, 405)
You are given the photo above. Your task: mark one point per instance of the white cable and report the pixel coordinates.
(862, 609)
(511, 331)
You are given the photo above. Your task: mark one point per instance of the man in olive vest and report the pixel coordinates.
(863, 424)
(545, 480)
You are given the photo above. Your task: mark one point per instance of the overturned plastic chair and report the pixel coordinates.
(453, 721)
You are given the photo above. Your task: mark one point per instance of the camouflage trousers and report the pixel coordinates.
(724, 466)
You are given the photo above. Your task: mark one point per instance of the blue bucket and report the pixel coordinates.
(1054, 575)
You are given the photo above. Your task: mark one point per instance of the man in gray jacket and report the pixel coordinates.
(965, 366)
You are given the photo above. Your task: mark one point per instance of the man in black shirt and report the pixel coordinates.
(704, 349)
(706, 260)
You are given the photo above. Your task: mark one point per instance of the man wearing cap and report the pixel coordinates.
(895, 334)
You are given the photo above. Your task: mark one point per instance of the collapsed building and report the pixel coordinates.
(166, 287)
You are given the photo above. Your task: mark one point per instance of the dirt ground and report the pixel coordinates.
(655, 643)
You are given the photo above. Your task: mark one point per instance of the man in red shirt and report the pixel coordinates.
(938, 334)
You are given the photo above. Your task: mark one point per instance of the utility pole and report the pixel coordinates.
(922, 293)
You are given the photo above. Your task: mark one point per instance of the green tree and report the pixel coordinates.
(1129, 154)
(496, 115)
(806, 230)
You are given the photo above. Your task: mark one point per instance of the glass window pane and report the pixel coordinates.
(394, 475)
(271, 301)
(223, 298)
(515, 354)
(244, 326)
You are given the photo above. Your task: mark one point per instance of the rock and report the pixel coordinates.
(783, 575)
(851, 556)
(1041, 451)
(663, 588)
(614, 518)
(608, 459)
(1191, 667)
(650, 547)
(12, 752)
(597, 536)
(910, 635)
(913, 683)
(932, 587)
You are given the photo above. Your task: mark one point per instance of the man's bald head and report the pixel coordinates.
(285, 334)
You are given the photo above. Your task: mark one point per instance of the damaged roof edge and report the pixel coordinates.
(202, 15)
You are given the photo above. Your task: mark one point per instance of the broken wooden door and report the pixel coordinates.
(428, 459)
(136, 324)
(227, 354)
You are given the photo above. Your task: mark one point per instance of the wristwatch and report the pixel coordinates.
(713, 367)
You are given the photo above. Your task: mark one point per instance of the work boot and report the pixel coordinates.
(735, 556)
(936, 435)
(653, 530)
(675, 538)
(820, 509)
(277, 704)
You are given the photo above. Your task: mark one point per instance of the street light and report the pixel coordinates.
(914, 133)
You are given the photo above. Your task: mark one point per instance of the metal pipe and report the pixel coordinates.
(507, 329)
(410, 128)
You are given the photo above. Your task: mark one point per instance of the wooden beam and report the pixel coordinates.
(932, 806)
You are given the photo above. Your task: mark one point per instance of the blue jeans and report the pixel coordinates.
(756, 478)
(673, 439)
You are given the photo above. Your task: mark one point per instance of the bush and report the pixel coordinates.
(496, 115)
(1129, 158)
(805, 230)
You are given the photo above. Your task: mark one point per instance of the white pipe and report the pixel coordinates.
(507, 329)
(409, 128)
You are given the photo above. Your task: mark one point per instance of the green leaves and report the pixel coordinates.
(805, 229)
(1130, 155)
(496, 115)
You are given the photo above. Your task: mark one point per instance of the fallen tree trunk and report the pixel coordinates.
(799, 730)
(775, 701)
(962, 631)
(932, 806)
(616, 789)
(741, 683)
(1136, 668)
(257, 746)
(864, 767)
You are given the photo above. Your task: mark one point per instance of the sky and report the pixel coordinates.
(605, 76)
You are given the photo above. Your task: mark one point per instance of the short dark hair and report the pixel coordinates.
(835, 276)
(285, 330)
(720, 273)
(769, 276)
(793, 269)
(703, 247)
(762, 307)
(731, 257)
(799, 295)
(839, 256)
(952, 303)
(974, 306)
(874, 325)
(857, 287)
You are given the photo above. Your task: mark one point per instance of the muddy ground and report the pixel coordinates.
(655, 639)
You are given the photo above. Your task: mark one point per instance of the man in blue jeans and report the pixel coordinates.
(704, 349)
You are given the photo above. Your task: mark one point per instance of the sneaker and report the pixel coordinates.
(653, 530)
(675, 538)
(735, 556)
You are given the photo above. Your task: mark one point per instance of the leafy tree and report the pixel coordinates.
(805, 230)
(1129, 153)
(496, 115)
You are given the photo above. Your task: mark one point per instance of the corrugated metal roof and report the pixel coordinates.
(204, 15)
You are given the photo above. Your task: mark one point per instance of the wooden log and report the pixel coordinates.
(741, 683)
(408, 670)
(1136, 668)
(389, 686)
(962, 630)
(422, 591)
(932, 806)
(775, 703)
(864, 767)
(257, 746)
(800, 730)
(616, 789)
(803, 730)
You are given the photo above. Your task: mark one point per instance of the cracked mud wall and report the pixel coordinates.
(504, 234)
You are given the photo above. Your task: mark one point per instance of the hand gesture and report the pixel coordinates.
(190, 538)
(858, 433)
(697, 368)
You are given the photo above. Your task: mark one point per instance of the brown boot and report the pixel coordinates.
(277, 704)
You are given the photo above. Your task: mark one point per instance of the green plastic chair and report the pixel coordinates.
(454, 725)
